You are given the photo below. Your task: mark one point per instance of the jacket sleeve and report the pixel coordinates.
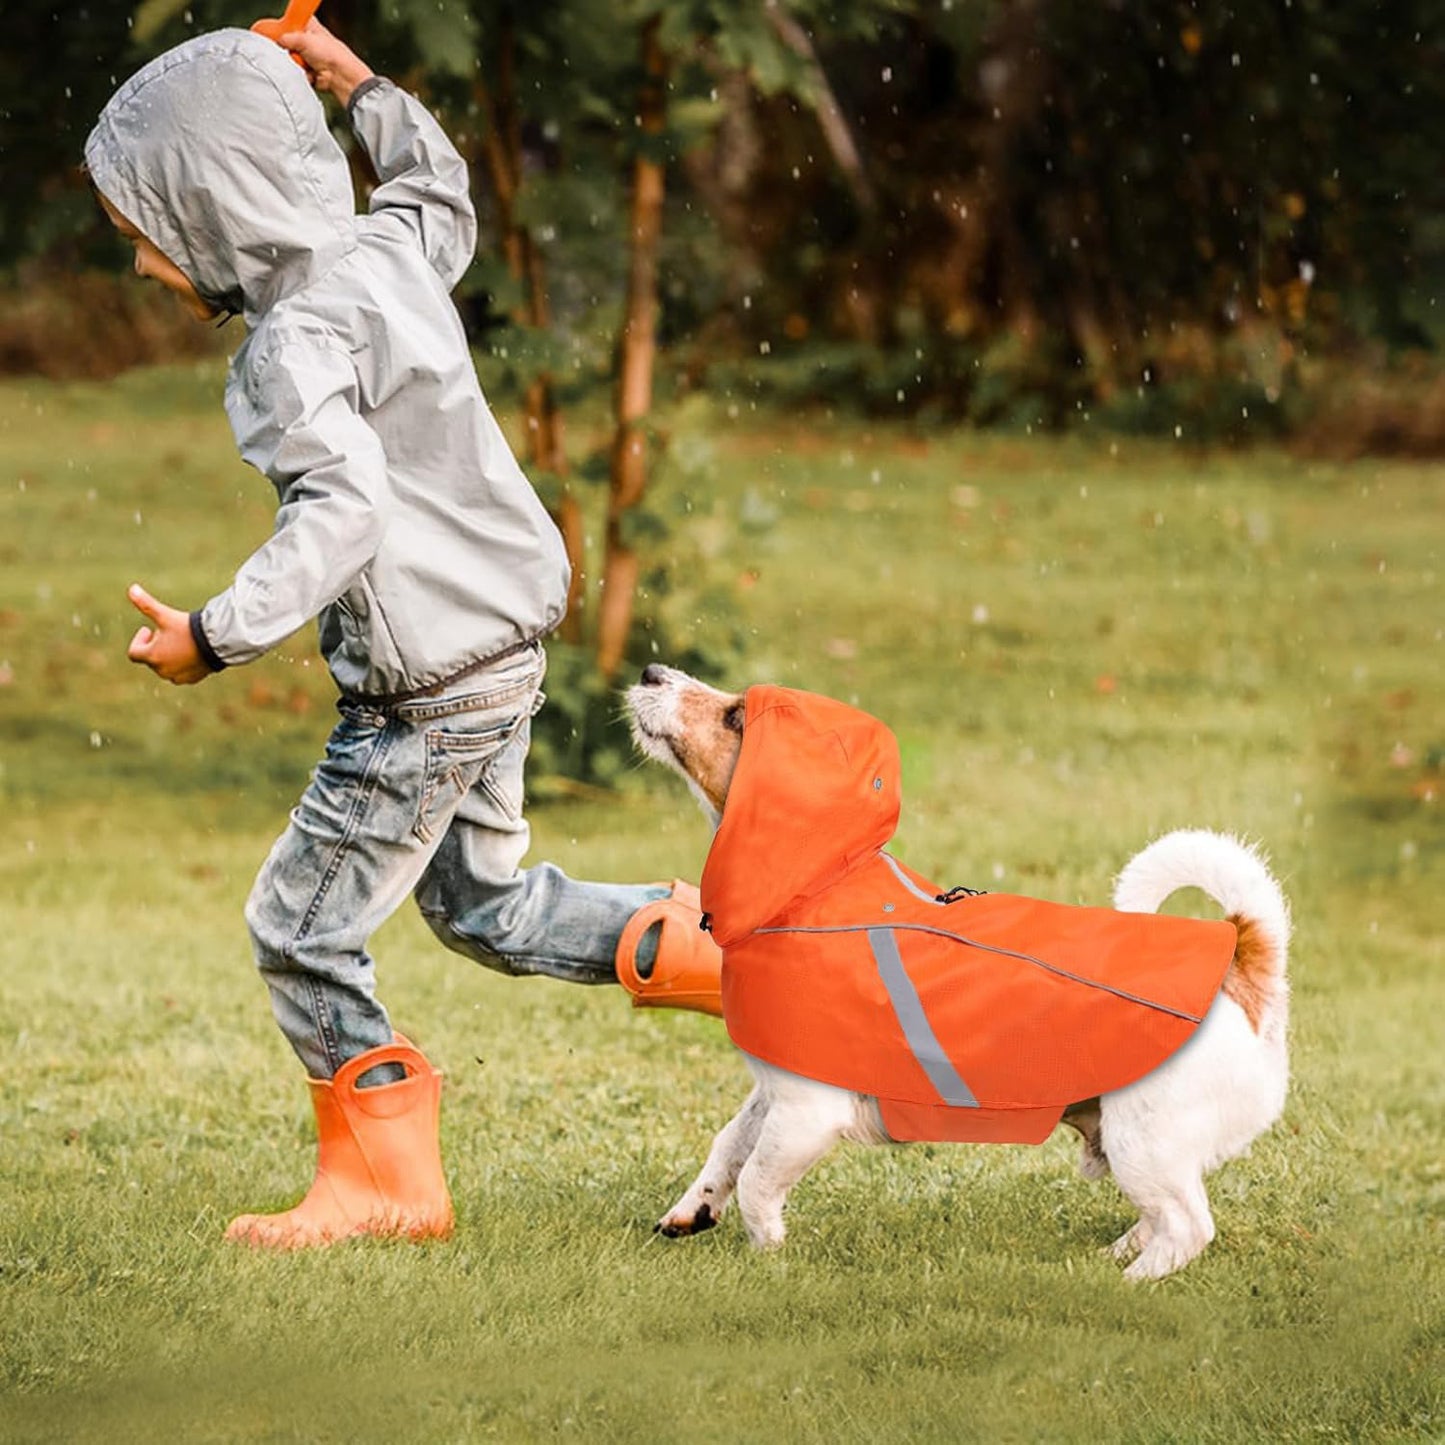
(304, 430)
(423, 180)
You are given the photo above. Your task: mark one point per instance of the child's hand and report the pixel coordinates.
(333, 67)
(167, 647)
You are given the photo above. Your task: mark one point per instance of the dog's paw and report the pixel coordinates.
(768, 1239)
(1157, 1259)
(1128, 1244)
(678, 1224)
(1162, 1255)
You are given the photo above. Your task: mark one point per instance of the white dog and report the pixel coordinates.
(1158, 1137)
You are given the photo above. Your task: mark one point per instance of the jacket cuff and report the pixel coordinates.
(203, 644)
(372, 82)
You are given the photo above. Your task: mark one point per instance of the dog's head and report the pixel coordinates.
(691, 727)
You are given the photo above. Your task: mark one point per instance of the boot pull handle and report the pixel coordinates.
(400, 1051)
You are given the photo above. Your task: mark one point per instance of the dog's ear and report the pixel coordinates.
(733, 717)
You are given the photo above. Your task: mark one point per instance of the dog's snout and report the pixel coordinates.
(654, 675)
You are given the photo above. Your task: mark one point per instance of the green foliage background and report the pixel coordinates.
(1070, 202)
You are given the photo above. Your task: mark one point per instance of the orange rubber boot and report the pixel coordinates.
(687, 972)
(378, 1166)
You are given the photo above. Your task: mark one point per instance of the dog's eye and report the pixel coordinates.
(733, 718)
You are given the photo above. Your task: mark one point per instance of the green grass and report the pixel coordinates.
(1079, 646)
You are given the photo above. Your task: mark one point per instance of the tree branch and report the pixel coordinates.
(830, 115)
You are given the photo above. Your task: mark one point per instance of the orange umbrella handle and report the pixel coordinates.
(297, 17)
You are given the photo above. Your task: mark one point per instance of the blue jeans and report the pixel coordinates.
(421, 797)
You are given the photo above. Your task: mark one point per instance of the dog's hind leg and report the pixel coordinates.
(1181, 1227)
(802, 1125)
(1175, 1223)
(707, 1196)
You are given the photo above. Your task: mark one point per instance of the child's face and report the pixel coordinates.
(150, 263)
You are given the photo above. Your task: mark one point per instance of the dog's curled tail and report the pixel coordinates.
(1237, 877)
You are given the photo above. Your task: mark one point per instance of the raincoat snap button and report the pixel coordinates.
(877, 785)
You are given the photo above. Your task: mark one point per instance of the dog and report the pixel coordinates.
(1158, 1136)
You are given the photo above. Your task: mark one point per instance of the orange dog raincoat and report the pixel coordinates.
(976, 1017)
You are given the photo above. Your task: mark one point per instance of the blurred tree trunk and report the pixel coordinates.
(1015, 88)
(546, 450)
(724, 173)
(638, 352)
(831, 120)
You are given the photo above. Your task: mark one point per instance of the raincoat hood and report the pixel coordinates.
(219, 153)
(816, 791)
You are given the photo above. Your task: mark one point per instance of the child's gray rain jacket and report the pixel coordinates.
(405, 522)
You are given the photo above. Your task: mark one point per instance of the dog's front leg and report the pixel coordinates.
(707, 1196)
(796, 1134)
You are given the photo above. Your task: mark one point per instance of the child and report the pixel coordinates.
(406, 525)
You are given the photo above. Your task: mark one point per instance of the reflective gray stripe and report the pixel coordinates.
(907, 882)
(914, 1022)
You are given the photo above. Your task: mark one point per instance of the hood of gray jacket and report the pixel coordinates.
(218, 152)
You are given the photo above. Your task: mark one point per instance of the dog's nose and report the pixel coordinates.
(654, 675)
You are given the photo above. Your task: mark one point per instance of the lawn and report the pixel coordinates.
(1081, 643)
